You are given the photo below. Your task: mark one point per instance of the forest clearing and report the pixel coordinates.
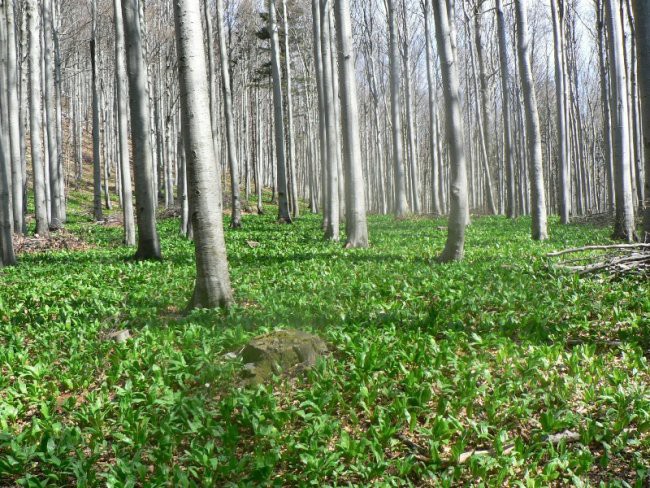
(324, 243)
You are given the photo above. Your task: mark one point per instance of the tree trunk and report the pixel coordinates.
(332, 207)
(97, 168)
(148, 240)
(35, 117)
(642, 16)
(458, 216)
(355, 205)
(624, 223)
(401, 205)
(14, 121)
(235, 221)
(505, 100)
(278, 113)
(212, 287)
(533, 135)
(123, 128)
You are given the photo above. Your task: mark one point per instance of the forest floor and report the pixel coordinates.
(542, 373)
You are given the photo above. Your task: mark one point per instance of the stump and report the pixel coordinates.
(280, 352)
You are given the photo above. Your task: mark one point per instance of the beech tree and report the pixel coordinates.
(148, 240)
(356, 227)
(533, 135)
(458, 214)
(212, 287)
(642, 16)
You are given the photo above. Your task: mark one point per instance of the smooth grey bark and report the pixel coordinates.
(7, 256)
(400, 204)
(533, 134)
(483, 109)
(123, 128)
(431, 92)
(624, 220)
(50, 116)
(605, 103)
(14, 122)
(332, 197)
(564, 159)
(233, 163)
(278, 118)
(458, 201)
(97, 168)
(35, 117)
(414, 173)
(642, 16)
(148, 240)
(212, 287)
(505, 101)
(322, 129)
(291, 144)
(355, 205)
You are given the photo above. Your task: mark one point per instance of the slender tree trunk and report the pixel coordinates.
(278, 112)
(484, 115)
(123, 128)
(293, 164)
(605, 103)
(355, 205)
(533, 135)
(558, 13)
(332, 187)
(50, 116)
(235, 221)
(505, 100)
(624, 223)
(642, 16)
(35, 94)
(97, 168)
(459, 211)
(431, 85)
(401, 205)
(14, 120)
(212, 286)
(148, 240)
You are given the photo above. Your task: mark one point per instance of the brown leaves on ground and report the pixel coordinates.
(61, 240)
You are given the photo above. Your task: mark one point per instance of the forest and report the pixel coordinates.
(324, 243)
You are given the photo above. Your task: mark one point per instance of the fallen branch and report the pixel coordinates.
(598, 248)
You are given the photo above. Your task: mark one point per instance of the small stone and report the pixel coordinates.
(230, 356)
(120, 336)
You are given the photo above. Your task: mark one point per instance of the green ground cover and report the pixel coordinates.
(431, 361)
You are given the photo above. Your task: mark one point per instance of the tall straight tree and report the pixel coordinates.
(278, 117)
(505, 104)
(401, 205)
(458, 201)
(431, 92)
(642, 16)
(332, 186)
(558, 10)
(35, 116)
(14, 123)
(233, 163)
(533, 135)
(148, 240)
(624, 221)
(7, 257)
(355, 199)
(97, 164)
(123, 127)
(212, 287)
(55, 169)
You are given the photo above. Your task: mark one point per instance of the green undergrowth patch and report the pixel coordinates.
(430, 361)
